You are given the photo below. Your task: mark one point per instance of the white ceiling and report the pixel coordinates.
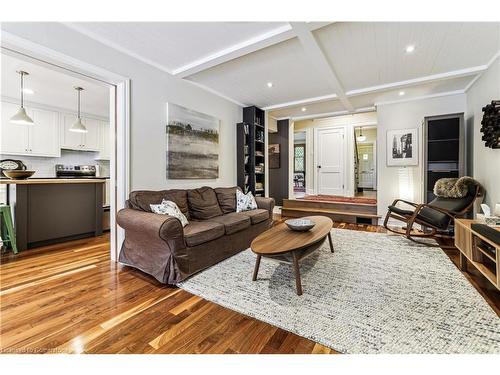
(52, 87)
(353, 65)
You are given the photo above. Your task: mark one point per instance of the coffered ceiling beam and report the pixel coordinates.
(272, 37)
(316, 99)
(318, 58)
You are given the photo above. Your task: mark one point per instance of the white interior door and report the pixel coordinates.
(366, 166)
(330, 161)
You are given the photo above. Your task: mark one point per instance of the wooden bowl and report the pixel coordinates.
(18, 175)
(300, 225)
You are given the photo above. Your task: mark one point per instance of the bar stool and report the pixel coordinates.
(7, 227)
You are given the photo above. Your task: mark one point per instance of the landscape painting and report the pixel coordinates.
(192, 144)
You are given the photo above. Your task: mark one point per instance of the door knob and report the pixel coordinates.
(319, 166)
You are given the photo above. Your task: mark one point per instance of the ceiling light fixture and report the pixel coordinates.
(269, 84)
(78, 126)
(410, 48)
(303, 109)
(401, 93)
(21, 117)
(361, 137)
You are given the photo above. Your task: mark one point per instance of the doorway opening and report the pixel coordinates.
(299, 164)
(118, 120)
(365, 162)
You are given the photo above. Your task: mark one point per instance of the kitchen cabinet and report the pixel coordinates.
(104, 141)
(40, 139)
(79, 141)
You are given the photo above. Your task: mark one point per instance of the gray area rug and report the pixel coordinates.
(376, 294)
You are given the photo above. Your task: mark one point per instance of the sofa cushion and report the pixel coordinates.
(227, 198)
(233, 222)
(198, 232)
(256, 216)
(203, 203)
(143, 199)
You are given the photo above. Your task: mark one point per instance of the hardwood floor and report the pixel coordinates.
(70, 298)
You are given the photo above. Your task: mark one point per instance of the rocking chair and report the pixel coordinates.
(435, 217)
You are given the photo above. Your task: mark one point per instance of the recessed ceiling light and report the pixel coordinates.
(303, 109)
(28, 91)
(410, 48)
(269, 84)
(401, 93)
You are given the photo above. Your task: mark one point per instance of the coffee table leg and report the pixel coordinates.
(331, 242)
(297, 273)
(256, 270)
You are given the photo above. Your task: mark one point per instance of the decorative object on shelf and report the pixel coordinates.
(11, 165)
(274, 156)
(488, 218)
(78, 126)
(490, 124)
(300, 225)
(361, 137)
(192, 144)
(21, 117)
(402, 147)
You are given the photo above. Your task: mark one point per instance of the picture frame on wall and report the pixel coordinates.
(402, 147)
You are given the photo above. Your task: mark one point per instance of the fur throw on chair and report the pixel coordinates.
(454, 187)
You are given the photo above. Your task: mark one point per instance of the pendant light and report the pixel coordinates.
(21, 117)
(78, 126)
(361, 137)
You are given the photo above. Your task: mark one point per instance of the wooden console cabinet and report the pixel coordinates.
(481, 252)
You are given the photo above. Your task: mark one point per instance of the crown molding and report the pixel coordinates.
(316, 99)
(447, 93)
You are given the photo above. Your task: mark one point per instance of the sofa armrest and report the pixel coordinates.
(150, 224)
(154, 244)
(266, 204)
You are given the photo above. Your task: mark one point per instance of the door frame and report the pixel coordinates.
(315, 159)
(374, 144)
(119, 117)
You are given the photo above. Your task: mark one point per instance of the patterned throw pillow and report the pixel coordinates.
(245, 202)
(169, 208)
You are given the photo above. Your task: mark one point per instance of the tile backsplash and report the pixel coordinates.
(45, 167)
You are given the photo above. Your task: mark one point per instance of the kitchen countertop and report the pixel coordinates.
(35, 181)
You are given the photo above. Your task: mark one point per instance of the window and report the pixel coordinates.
(299, 158)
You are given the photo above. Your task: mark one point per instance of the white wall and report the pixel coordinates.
(407, 182)
(151, 89)
(348, 122)
(486, 161)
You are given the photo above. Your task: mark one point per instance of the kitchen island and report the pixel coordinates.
(51, 210)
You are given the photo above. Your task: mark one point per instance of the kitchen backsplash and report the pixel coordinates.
(45, 167)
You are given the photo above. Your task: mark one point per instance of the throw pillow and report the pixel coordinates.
(245, 202)
(169, 208)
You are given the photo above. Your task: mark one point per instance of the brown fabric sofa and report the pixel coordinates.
(160, 246)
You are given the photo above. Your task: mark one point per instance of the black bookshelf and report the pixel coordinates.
(251, 151)
(444, 150)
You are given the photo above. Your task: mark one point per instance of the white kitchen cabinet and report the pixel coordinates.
(104, 141)
(79, 141)
(39, 139)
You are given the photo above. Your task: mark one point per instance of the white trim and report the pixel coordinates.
(119, 116)
(208, 89)
(253, 44)
(134, 55)
(316, 99)
(321, 115)
(415, 81)
(456, 92)
(490, 63)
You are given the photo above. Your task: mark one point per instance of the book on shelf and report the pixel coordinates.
(246, 159)
(259, 186)
(246, 128)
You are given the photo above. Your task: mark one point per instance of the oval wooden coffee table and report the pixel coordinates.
(285, 245)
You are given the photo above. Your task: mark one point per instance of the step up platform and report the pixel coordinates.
(355, 213)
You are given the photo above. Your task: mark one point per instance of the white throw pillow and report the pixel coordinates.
(169, 208)
(245, 202)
